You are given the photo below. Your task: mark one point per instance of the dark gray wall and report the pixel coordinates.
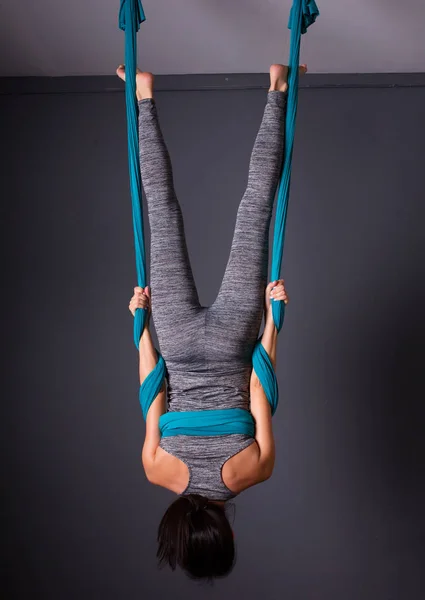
(342, 516)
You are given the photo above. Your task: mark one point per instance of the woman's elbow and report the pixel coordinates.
(266, 469)
(150, 475)
(268, 472)
(147, 464)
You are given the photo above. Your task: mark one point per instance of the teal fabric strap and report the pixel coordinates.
(303, 14)
(152, 385)
(207, 422)
(131, 15)
(263, 367)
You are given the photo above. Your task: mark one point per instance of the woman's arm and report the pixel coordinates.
(147, 362)
(260, 407)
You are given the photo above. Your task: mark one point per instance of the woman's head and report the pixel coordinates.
(196, 535)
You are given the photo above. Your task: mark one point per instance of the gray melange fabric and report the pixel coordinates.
(208, 350)
(204, 457)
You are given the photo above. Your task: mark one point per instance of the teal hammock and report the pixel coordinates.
(234, 420)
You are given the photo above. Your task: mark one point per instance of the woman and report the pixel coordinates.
(208, 350)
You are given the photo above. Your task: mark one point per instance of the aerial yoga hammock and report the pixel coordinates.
(226, 420)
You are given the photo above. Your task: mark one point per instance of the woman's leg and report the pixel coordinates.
(173, 289)
(240, 301)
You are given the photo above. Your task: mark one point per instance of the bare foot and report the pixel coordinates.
(144, 83)
(279, 77)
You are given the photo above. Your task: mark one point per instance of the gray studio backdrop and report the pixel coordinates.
(342, 516)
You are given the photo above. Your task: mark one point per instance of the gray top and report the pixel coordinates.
(205, 457)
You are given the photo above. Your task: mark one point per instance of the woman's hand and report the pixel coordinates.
(275, 291)
(141, 299)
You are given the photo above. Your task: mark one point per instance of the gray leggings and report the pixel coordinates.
(208, 349)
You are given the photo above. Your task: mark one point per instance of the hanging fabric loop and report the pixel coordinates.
(303, 14)
(131, 15)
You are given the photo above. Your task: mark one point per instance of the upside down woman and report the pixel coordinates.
(208, 350)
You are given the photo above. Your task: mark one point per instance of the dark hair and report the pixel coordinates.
(196, 535)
